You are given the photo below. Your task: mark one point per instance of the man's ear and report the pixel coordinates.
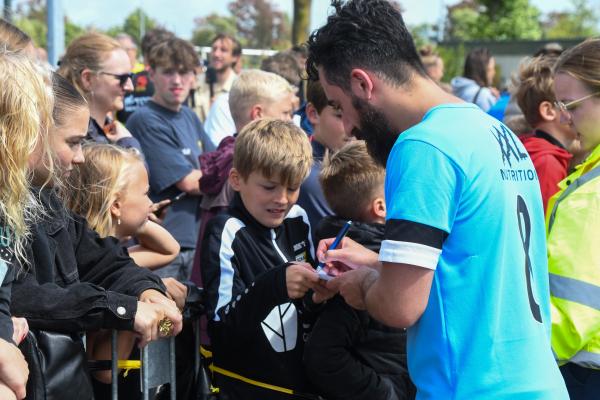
(548, 112)
(256, 112)
(312, 114)
(86, 79)
(234, 179)
(361, 84)
(151, 74)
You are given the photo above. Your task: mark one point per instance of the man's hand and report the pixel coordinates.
(299, 278)
(353, 286)
(348, 256)
(176, 291)
(20, 329)
(13, 369)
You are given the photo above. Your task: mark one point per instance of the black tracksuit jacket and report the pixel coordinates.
(350, 355)
(256, 331)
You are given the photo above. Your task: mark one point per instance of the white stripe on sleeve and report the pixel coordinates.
(225, 254)
(409, 253)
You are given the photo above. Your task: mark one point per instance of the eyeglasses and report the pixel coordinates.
(566, 107)
(123, 78)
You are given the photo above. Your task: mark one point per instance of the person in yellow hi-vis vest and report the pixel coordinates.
(573, 220)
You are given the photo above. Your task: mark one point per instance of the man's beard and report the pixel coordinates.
(375, 129)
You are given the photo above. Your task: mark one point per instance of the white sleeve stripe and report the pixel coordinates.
(297, 211)
(225, 255)
(409, 253)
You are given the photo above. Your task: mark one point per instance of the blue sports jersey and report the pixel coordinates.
(463, 199)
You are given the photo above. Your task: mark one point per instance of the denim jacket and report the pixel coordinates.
(77, 281)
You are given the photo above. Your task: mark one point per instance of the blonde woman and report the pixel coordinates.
(25, 114)
(573, 217)
(100, 69)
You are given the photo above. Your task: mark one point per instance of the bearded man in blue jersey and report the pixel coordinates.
(463, 264)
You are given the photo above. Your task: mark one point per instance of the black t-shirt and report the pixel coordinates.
(6, 278)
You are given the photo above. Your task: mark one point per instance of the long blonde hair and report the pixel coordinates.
(26, 105)
(97, 183)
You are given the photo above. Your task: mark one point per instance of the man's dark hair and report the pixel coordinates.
(174, 53)
(152, 38)
(237, 46)
(476, 64)
(368, 34)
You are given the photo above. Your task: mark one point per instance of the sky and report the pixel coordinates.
(179, 15)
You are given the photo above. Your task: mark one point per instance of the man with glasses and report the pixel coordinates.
(171, 136)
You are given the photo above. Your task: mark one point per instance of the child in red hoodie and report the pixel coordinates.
(553, 141)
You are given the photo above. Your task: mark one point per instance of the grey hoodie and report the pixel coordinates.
(467, 89)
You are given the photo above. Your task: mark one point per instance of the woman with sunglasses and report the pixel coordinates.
(100, 69)
(573, 220)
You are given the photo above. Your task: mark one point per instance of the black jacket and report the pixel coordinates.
(350, 355)
(77, 281)
(6, 278)
(255, 329)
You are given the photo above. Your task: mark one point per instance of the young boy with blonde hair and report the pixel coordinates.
(350, 355)
(255, 94)
(255, 265)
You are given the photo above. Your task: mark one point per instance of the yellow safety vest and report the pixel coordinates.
(573, 229)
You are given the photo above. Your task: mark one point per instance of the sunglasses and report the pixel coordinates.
(123, 78)
(565, 107)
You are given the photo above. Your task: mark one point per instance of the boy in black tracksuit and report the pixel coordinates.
(350, 355)
(254, 266)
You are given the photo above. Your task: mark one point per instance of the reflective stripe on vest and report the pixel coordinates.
(575, 290)
(586, 359)
(582, 180)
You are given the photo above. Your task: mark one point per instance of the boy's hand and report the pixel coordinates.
(353, 286)
(299, 278)
(322, 292)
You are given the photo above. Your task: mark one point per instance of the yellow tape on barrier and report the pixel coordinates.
(128, 365)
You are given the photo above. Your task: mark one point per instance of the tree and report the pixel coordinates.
(581, 22)
(260, 24)
(72, 31)
(494, 20)
(133, 25)
(31, 18)
(301, 21)
(208, 27)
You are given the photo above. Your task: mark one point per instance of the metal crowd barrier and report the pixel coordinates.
(153, 373)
